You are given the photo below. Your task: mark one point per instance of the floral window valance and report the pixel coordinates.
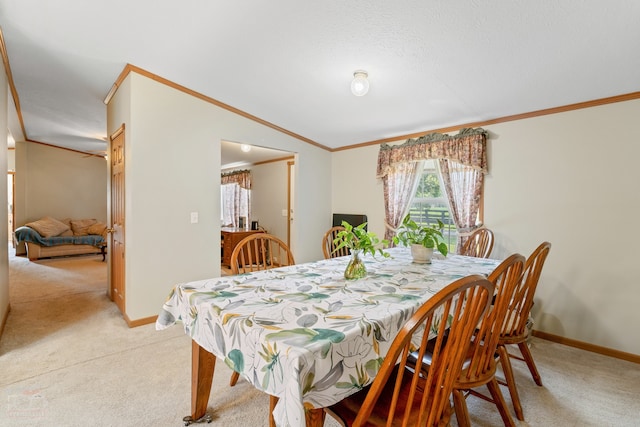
(468, 147)
(242, 178)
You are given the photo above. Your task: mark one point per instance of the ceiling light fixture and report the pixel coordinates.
(245, 148)
(360, 84)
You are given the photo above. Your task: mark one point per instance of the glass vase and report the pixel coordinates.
(355, 269)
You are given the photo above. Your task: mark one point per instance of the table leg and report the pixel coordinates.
(314, 417)
(202, 366)
(273, 401)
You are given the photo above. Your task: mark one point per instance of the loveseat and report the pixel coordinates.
(50, 237)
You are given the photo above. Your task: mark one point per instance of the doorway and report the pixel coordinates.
(272, 188)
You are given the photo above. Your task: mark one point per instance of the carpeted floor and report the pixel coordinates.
(67, 358)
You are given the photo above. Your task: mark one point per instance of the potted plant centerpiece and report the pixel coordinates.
(360, 242)
(422, 239)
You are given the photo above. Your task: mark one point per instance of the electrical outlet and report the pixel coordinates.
(194, 217)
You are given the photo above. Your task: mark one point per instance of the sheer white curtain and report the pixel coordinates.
(463, 186)
(236, 202)
(399, 186)
(235, 198)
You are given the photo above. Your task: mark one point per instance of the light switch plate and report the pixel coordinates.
(194, 217)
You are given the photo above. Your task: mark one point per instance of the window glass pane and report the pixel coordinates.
(430, 204)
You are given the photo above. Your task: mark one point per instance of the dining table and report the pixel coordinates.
(304, 333)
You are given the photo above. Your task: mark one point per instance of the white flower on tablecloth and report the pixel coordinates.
(353, 351)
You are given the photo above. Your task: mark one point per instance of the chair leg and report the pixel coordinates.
(273, 401)
(510, 380)
(460, 406)
(528, 357)
(234, 378)
(496, 394)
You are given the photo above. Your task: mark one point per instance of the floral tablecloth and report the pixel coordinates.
(304, 333)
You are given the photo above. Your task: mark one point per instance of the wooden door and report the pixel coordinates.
(117, 246)
(290, 199)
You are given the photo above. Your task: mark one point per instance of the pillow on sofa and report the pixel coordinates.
(48, 227)
(97, 228)
(80, 226)
(69, 232)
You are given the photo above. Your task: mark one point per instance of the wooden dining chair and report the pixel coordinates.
(479, 244)
(398, 394)
(260, 251)
(480, 365)
(328, 247)
(515, 330)
(480, 362)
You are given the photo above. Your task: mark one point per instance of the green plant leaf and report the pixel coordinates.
(357, 238)
(430, 236)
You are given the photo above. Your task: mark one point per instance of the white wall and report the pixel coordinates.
(355, 190)
(269, 197)
(11, 160)
(569, 178)
(59, 183)
(168, 154)
(172, 151)
(572, 179)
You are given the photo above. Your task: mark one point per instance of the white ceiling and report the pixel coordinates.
(431, 63)
(232, 156)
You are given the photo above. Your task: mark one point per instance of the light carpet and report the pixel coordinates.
(67, 358)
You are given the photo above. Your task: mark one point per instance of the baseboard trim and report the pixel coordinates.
(588, 347)
(139, 322)
(4, 320)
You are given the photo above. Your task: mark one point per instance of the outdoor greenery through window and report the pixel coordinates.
(430, 204)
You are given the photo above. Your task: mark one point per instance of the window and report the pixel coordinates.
(429, 204)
